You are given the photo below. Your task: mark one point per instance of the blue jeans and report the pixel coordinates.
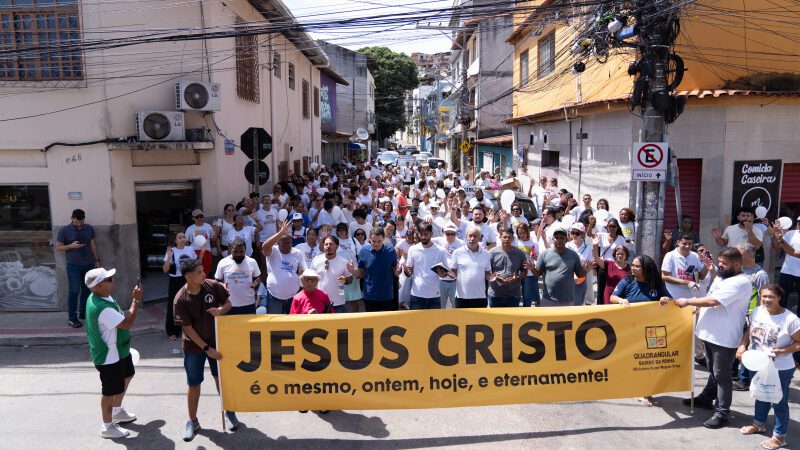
(195, 364)
(503, 302)
(77, 289)
(580, 292)
(340, 309)
(447, 292)
(241, 310)
(530, 290)
(276, 305)
(781, 409)
(425, 303)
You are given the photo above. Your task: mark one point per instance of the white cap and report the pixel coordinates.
(451, 227)
(434, 204)
(578, 226)
(297, 216)
(310, 273)
(95, 276)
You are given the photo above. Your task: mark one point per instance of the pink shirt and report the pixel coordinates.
(302, 302)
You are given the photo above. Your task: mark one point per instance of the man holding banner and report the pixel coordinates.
(723, 314)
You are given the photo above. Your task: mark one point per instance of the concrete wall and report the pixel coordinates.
(495, 77)
(353, 101)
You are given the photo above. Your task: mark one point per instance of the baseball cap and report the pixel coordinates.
(451, 228)
(197, 212)
(95, 276)
(561, 230)
(579, 227)
(413, 210)
(297, 216)
(310, 273)
(434, 204)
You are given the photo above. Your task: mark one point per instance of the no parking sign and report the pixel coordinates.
(649, 161)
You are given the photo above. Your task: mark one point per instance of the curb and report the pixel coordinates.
(65, 338)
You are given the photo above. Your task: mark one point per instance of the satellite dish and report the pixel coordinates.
(362, 134)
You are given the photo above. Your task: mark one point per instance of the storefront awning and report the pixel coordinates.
(356, 146)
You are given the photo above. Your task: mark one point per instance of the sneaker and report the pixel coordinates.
(74, 323)
(739, 386)
(231, 422)
(715, 421)
(698, 403)
(123, 416)
(114, 432)
(190, 431)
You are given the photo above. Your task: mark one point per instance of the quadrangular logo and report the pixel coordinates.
(656, 337)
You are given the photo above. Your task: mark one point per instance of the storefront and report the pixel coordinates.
(27, 259)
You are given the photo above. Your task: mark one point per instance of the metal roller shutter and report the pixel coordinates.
(790, 186)
(690, 175)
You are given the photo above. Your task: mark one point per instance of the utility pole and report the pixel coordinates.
(464, 116)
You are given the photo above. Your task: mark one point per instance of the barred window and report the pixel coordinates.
(276, 64)
(316, 101)
(246, 64)
(306, 99)
(291, 76)
(547, 55)
(523, 68)
(40, 40)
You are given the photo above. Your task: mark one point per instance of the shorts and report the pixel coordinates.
(194, 364)
(112, 376)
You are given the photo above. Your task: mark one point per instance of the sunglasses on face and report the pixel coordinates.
(575, 233)
(198, 216)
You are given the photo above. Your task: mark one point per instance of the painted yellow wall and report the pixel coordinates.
(715, 47)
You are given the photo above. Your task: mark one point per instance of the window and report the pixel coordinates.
(547, 55)
(550, 158)
(523, 68)
(50, 24)
(246, 65)
(27, 259)
(305, 99)
(316, 101)
(291, 76)
(276, 64)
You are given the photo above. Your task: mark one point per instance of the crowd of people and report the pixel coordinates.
(361, 238)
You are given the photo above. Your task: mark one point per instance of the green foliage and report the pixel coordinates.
(396, 73)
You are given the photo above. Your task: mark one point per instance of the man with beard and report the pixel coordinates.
(284, 266)
(741, 233)
(723, 313)
(471, 267)
(423, 256)
(508, 270)
(334, 273)
(240, 274)
(489, 238)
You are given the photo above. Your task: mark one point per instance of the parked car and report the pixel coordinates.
(528, 208)
(388, 158)
(434, 163)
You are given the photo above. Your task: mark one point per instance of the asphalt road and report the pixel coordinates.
(49, 398)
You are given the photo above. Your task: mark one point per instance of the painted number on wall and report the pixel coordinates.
(76, 158)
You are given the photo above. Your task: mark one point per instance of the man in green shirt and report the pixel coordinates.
(110, 346)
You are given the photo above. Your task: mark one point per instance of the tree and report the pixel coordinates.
(395, 74)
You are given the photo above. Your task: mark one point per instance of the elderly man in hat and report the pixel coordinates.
(110, 346)
(447, 284)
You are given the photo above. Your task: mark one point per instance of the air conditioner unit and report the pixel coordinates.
(198, 96)
(160, 126)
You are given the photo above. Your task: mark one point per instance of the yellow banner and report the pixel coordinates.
(455, 357)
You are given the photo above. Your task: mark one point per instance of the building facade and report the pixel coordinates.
(71, 138)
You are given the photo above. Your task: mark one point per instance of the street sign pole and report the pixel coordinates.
(255, 158)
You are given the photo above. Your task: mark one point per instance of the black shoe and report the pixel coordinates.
(739, 386)
(715, 421)
(700, 361)
(324, 411)
(82, 316)
(303, 411)
(698, 403)
(74, 323)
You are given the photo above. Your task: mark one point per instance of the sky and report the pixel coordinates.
(406, 39)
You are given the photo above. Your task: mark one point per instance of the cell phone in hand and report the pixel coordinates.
(138, 282)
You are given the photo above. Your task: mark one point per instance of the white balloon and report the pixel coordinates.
(198, 241)
(440, 222)
(755, 360)
(761, 212)
(568, 220)
(368, 174)
(601, 215)
(134, 356)
(785, 222)
(440, 193)
(313, 166)
(282, 215)
(507, 199)
(472, 202)
(261, 310)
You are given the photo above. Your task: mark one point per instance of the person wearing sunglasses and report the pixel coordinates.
(107, 328)
(578, 244)
(201, 228)
(607, 243)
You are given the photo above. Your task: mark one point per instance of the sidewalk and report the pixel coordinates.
(50, 328)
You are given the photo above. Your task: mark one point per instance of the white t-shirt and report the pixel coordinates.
(737, 235)
(347, 248)
(364, 199)
(471, 268)
(268, 219)
(768, 332)
(791, 265)
(309, 253)
(723, 324)
(683, 268)
(355, 226)
(607, 249)
(425, 282)
(238, 278)
(488, 235)
(205, 230)
(226, 228)
(284, 272)
(329, 279)
(107, 323)
(178, 255)
(449, 248)
(246, 234)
